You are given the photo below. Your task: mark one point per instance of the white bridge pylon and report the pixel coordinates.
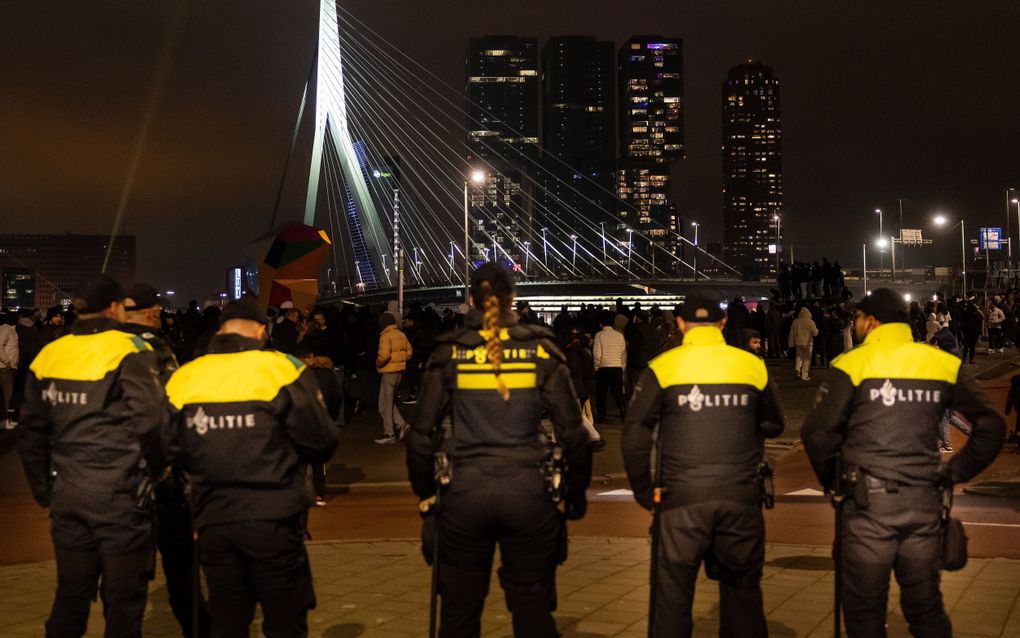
(331, 115)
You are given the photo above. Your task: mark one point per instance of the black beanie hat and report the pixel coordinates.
(245, 308)
(702, 306)
(141, 296)
(501, 281)
(96, 294)
(885, 305)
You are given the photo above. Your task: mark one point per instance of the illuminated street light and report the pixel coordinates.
(882, 242)
(942, 220)
(696, 226)
(477, 177)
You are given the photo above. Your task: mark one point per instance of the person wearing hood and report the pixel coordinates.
(391, 362)
(802, 335)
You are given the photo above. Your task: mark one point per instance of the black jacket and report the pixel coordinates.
(247, 421)
(459, 383)
(714, 405)
(166, 362)
(881, 410)
(94, 413)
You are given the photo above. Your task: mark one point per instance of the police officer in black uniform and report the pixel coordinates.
(248, 422)
(879, 412)
(714, 406)
(143, 308)
(493, 378)
(90, 438)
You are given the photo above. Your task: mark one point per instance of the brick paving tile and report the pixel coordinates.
(379, 589)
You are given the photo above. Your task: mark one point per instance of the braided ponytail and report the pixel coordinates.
(493, 346)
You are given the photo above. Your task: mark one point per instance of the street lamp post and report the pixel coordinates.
(545, 248)
(573, 259)
(696, 225)
(477, 177)
(527, 254)
(940, 221)
(630, 245)
(779, 245)
(864, 267)
(881, 233)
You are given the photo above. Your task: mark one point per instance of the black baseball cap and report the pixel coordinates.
(245, 308)
(702, 306)
(141, 296)
(888, 306)
(96, 293)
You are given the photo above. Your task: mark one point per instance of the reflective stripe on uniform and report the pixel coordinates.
(487, 381)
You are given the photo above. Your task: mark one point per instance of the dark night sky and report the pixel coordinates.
(880, 100)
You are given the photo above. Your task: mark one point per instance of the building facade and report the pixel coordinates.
(578, 137)
(651, 140)
(502, 93)
(752, 169)
(52, 266)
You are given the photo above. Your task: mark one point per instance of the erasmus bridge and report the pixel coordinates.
(390, 183)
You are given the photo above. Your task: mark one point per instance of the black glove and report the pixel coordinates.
(575, 506)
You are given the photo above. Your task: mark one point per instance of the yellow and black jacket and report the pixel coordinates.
(94, 414)
(247, 421)
(459, 382)
(714, 405)
(881, 410)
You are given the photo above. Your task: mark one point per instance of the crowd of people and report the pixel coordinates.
(228, 407)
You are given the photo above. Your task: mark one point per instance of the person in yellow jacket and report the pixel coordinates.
(394, 353)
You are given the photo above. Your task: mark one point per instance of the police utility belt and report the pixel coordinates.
(553, 465)
(858, 486)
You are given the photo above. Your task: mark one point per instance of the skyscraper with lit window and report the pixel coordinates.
(578, 136)
(502, 93)
(752, 169)
(651, 140)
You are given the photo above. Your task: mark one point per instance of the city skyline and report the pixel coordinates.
(879, 102)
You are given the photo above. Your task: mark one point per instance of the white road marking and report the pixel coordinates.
(808, 491)
(991, 524)
(616, 493)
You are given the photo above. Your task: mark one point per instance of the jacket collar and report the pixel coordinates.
(92, 326)
(704, 336)
(890, 333)
(226, 343)
(389, 328)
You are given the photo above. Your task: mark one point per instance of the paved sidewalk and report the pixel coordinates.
(380, 589)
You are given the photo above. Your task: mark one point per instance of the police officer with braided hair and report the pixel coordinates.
(493, 378)
(878, 414)
(714, 405)
(248, 422)
(91, 438)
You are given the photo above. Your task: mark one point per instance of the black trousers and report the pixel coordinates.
(260, 562)
(730, 538)
(969, 344)
(609, 380)
(177, 547)
(898, 532)
(99, 536)
(507, 505)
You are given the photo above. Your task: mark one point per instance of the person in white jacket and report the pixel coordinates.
(610, 354)
(802, 335)
(8, 368)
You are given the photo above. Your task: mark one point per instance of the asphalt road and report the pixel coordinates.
(369, 497)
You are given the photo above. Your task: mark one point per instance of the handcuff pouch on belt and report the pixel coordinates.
(554, 467)
(765, 485)
(954, 538)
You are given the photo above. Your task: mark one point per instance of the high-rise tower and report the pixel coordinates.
(502, 93)
(651, 138)
(578, 135)
(752, 169)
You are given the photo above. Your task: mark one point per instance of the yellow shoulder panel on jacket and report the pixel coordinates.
(251, 375)
(716, 364)
(898, 361)
(86, 357)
